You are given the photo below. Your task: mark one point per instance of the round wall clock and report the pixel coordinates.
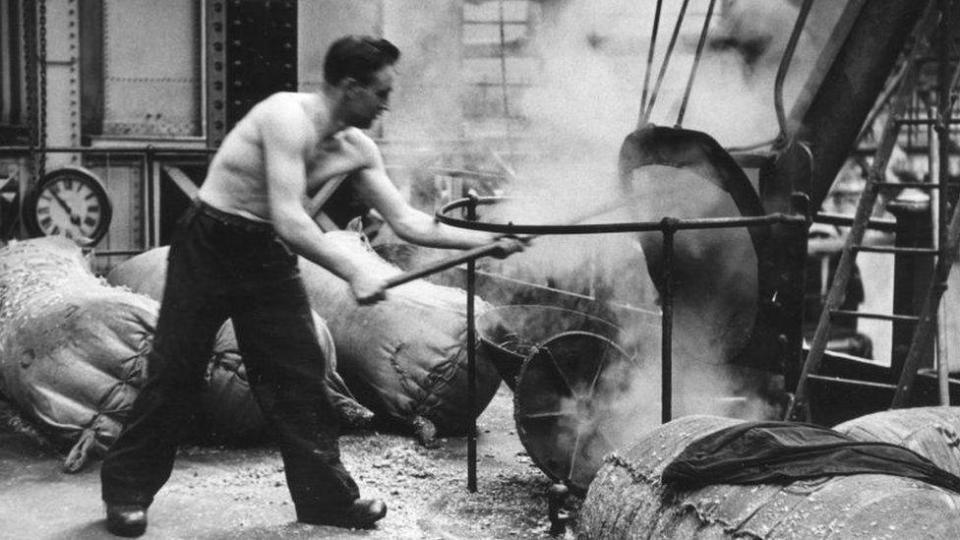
(70, 202)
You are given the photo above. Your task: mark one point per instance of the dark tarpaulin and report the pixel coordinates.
(783, 452)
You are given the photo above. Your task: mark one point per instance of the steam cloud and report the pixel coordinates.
(593, 56)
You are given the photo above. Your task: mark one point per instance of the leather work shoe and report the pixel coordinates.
(361, 514)
(126, 519)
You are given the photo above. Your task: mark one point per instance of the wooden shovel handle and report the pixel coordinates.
(433, 268)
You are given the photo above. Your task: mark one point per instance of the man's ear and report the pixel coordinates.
(349, 85)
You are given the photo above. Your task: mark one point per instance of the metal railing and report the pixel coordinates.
(667, 226)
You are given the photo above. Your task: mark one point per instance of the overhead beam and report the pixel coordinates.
(850, 84)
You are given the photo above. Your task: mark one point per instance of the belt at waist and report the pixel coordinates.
(233, 220)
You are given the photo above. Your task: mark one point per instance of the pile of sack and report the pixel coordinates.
(73, 349)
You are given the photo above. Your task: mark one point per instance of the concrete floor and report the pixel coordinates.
(229, 493)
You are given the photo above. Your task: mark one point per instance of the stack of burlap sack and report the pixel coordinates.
(73, 348)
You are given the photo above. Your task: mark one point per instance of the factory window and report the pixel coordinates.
(496, 60)
(143, 76)
(13, 102)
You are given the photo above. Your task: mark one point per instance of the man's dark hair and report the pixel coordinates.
(358, 57)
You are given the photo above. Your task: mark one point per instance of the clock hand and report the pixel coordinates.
(74, 219)
(63, 204)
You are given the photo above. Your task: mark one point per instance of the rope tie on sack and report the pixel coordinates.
(82, 450)
(439, 377)
(401, 374)
(86, 446)
(636, 474)
(129, 375)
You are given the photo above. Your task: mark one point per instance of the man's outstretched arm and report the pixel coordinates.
(287, 137)
(407, 222)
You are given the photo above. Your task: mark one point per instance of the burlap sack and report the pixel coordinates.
(72, 348)
(229, 413)
(404, 357)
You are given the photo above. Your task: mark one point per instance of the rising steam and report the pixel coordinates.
(593, 54)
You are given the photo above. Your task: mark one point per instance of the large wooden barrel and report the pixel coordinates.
(627, 500)
(932, 432)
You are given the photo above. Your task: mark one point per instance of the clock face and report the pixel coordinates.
(69, 203)
(69, 206)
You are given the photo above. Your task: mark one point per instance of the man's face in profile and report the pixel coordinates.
(366, 102)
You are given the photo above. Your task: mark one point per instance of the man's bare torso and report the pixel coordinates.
(237, 178)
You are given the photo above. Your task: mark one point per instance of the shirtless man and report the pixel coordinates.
(235, 256)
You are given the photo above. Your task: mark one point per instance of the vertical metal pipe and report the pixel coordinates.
(937, 216)
(505, 100)
(925, 328)
(911, 274)
(933, 161)
(942, 208)
(666, 304)
(787, 298)
(152, 195)
(472, 361)
(504, 87)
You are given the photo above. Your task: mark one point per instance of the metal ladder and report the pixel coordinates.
(925, 322)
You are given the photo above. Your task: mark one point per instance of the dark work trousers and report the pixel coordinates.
(222, 265)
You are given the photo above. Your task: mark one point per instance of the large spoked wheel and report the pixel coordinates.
(572, 404)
